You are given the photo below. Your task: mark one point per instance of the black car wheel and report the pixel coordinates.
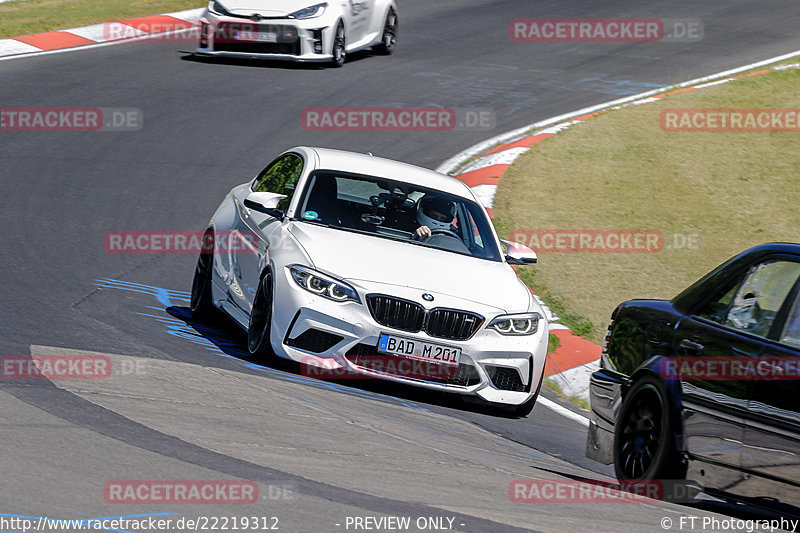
(389, 39)
(258, 331)
(644, 442)
(339, 46)
(201, 304)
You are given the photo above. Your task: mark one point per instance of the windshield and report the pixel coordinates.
(396, 210)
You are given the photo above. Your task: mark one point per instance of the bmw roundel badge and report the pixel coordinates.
(427, 297)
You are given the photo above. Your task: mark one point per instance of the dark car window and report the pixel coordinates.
(717, 308)
(791, 333)
(281, 177)
(390, 209)
(752, 305)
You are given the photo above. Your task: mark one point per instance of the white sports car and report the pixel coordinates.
(298, 30)
(351, 262)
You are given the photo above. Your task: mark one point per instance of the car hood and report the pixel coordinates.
(267, 8)
(358, 257)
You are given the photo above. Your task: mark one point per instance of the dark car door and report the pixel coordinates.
(714, 409)
(772, 436)
(731, 327)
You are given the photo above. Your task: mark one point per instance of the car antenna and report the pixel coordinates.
(370, 154)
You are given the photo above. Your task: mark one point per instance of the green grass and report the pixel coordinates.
(553, 344)
(36, 16)
(620, 170)
(579, 325)
(574, 399)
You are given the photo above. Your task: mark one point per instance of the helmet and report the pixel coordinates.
(435, 212)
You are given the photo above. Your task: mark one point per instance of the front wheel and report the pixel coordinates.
(644, 436)
(339, 50)
(389, 38)
(258, 331)
(202, 304)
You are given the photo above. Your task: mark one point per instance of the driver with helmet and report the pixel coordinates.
(434, 214)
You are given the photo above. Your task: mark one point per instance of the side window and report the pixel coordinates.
(791, 333)
(281, 177)
(752, 305)
(717, 309)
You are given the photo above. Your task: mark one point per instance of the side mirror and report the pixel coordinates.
(518, 254)
(265, 202)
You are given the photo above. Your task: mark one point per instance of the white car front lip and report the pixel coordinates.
(353, 322)
(302, 26)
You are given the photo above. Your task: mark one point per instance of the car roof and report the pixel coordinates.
(690, 296)
(353, 162)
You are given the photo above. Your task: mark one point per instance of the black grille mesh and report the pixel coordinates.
(315, 341)
(505, 378)
(410, 316)
(396, 313)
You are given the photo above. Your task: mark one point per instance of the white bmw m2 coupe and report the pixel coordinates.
(351, 262)
(297, 30)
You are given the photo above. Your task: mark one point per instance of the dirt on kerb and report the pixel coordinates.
(711, 194)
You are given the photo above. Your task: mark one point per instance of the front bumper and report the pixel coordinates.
(294, 40)
(605, 395)
(332, 335)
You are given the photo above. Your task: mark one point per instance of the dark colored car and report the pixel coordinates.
(735, 430)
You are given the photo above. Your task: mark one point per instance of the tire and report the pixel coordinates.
(644, 442)
(524, 409)
(202, 304)
(339, 47)
(389, 38)
(260, 326)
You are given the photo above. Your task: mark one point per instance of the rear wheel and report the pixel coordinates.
(258, 331)
(339, 46)
(644, 436)
(202, 304)
(389, 38)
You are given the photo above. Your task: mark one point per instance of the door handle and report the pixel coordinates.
(691, 345)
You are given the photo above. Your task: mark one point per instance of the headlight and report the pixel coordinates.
(309, 12)
(323, 285)
(522, 324)
(215, 7)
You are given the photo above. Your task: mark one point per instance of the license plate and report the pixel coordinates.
(417, 349)
(261, 36)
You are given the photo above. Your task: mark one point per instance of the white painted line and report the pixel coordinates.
(563, 411)
(454, 162)
(96, 32)
(646, 101)
(13, 49)
(11, 46)
(557, 128)
(190, 15)
(720, 82)
(90, 46)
